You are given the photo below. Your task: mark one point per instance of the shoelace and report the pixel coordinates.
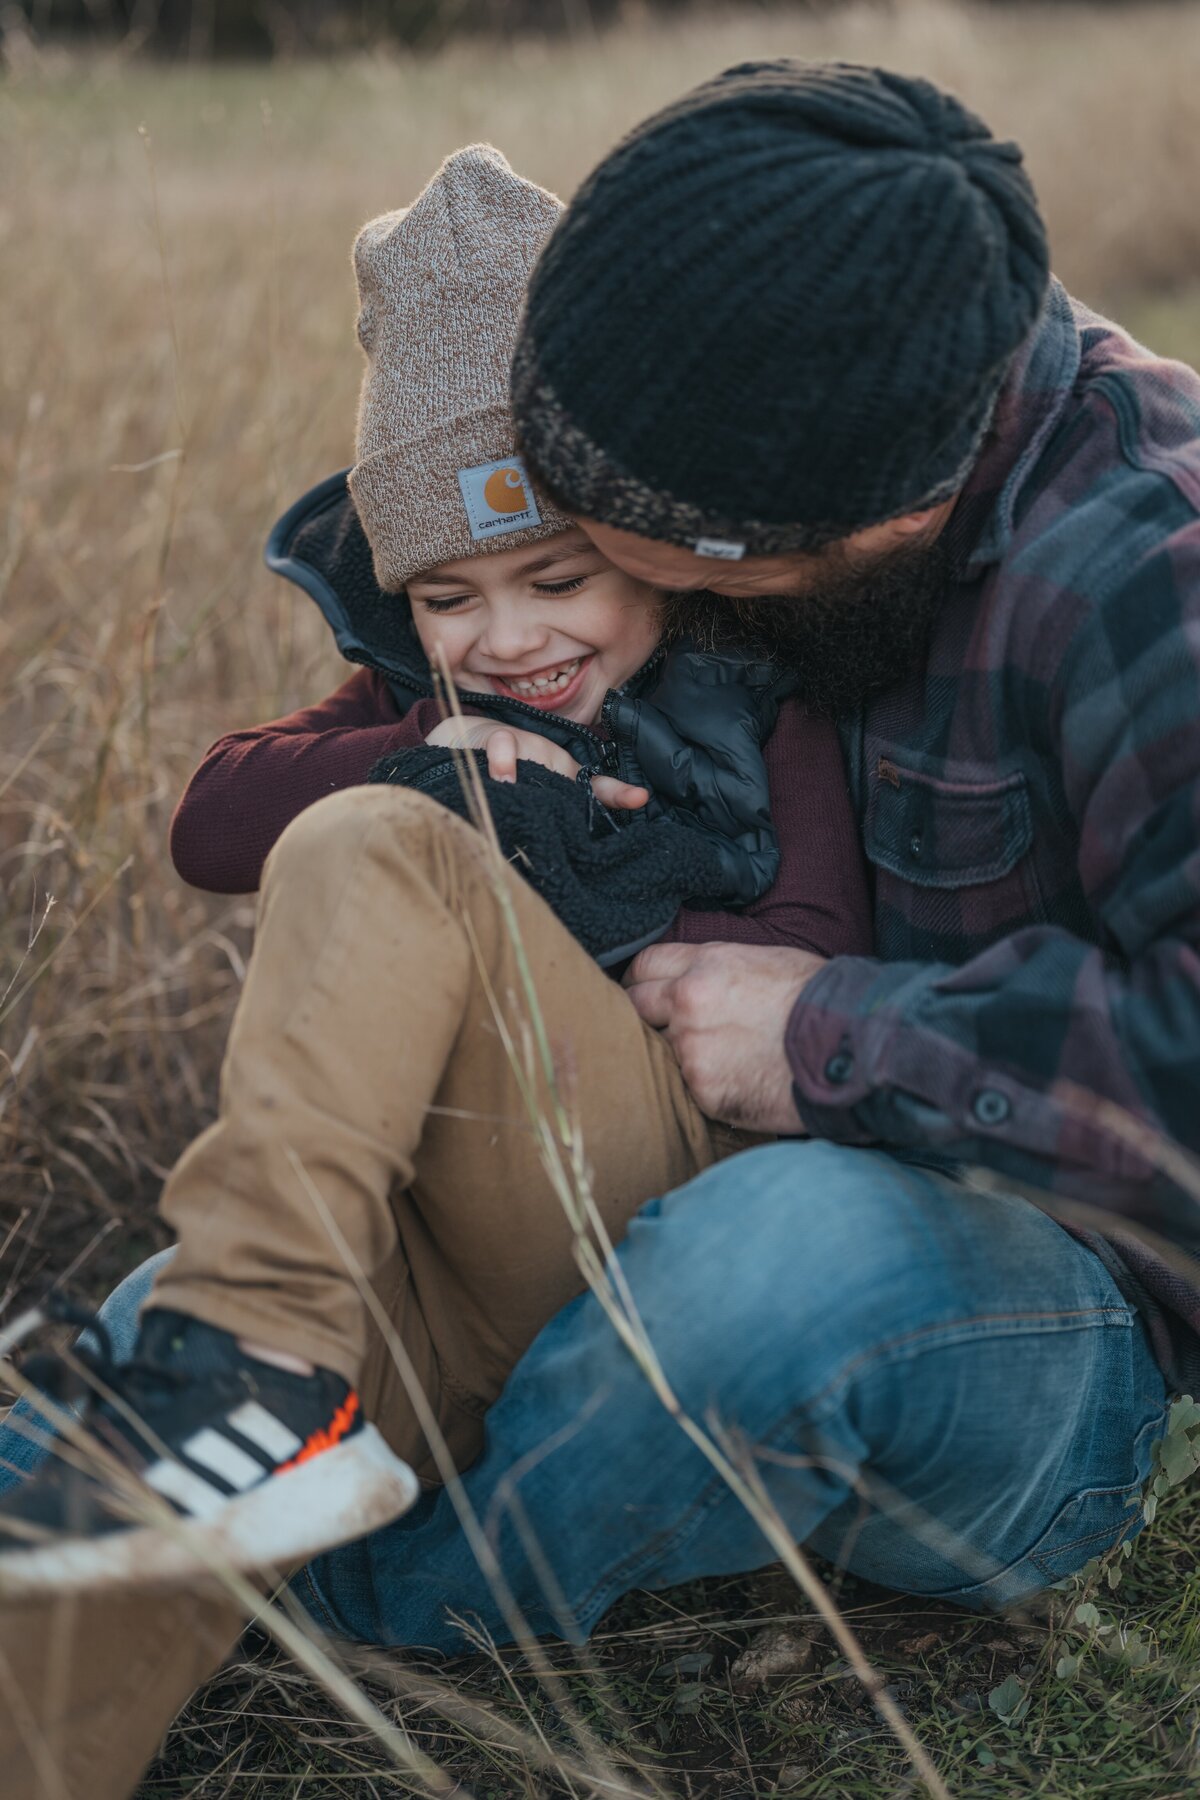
(63, 1379)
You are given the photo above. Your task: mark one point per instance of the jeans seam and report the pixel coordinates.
(785, 1428)
(957, 1331)
(318, 1599)
(625, 1575)
(1114, 1533)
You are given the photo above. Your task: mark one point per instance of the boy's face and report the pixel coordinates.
(554, 624)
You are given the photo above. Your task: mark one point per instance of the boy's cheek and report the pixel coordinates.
(442, 644)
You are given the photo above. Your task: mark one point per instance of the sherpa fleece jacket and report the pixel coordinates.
(251, 784)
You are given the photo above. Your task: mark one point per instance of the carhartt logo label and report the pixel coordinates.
(498, 498)
(720, 547)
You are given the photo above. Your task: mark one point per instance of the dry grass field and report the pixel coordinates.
(177, 361)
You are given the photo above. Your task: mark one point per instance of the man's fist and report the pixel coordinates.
(724, 1008)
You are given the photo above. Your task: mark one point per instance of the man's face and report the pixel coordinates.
(850, 619)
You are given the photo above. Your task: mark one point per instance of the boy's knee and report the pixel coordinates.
(396, 825)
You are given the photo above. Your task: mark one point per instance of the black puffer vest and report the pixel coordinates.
(690, 726)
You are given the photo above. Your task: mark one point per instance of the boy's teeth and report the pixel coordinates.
(548, 684)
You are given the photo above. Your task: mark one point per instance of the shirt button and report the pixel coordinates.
(914, 846)
(839, 1068)
(991, 1107)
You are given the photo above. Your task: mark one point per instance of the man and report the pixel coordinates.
(795, 343)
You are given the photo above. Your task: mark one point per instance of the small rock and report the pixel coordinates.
(793, 1775)
(798, 1707)
(694, 1663)
(771, 1653)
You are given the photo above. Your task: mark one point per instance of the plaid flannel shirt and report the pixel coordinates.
(1030, 805)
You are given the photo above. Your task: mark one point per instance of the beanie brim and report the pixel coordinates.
(594, 485)
(410, 499)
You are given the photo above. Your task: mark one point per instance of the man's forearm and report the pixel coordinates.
(1001, 1061)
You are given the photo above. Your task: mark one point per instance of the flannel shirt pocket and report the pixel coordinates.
(952, 852)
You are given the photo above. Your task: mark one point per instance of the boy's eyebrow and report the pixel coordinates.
(530, 567)
(548, 557)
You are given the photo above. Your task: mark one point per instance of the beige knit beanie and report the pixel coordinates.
(441, 285)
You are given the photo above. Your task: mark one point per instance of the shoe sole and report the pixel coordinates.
(335, 1497)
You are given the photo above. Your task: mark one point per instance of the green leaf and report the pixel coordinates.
(1113, 1575)
(1149, 1510)
(1160, 1486)
(987, 1759)
(1068, 1668)
(1178, 1459)
(1184, 1415)
(1136, 1654)
(1087, 1615)
(1005, 1700)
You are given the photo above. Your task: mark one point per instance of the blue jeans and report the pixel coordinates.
(941, 1389)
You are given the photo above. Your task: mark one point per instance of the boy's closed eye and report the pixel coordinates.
(447, 603)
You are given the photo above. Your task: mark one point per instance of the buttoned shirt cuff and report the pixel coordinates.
(866, 1069)
(830, 1071)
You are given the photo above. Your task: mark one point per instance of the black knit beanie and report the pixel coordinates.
(779, 311)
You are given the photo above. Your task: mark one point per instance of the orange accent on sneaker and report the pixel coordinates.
(327, 1436)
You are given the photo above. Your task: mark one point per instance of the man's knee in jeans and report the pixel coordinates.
(791, 1256)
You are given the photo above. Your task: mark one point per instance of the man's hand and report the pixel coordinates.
(724, 1009)
(506, 747)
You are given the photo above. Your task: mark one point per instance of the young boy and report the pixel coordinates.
(371, 1125)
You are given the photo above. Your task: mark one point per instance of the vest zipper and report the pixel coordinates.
(604, 748)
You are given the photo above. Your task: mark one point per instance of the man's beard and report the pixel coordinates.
(859, 632)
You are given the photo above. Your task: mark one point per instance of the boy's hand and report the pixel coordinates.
(506, 747)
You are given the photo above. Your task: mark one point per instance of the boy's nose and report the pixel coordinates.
(511, 640)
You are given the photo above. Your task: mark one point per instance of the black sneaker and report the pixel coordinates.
(264, 1468)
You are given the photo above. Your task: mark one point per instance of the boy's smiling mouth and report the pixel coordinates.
(548, 688)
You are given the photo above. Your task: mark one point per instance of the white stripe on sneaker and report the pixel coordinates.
(212, 1451)
(253, 1421)
(186, 1489)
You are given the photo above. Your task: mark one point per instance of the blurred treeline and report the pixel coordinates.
(269, 27)
(202, 28)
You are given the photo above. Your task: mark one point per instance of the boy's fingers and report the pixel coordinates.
(611, 792)
(502, 756)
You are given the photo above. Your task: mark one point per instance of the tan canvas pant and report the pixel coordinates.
(366, 1065)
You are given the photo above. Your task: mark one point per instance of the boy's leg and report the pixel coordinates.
(366, 983)
(366, 1073)
(88, 1685)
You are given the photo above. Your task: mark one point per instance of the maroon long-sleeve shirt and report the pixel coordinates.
(252, 784)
